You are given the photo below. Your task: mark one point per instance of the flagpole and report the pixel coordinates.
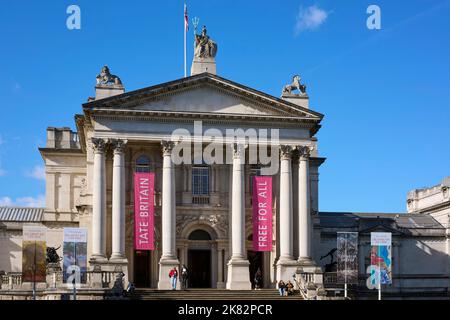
(184, 30)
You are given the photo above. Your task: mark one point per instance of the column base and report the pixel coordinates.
(221, 285)
(238, 275)
(286, 269)
(306, 262)
(165, 265)
(98, 259)
(118, 258)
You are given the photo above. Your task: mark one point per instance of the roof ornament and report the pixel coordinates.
(107, 79)
(295, 85)
(204, 46)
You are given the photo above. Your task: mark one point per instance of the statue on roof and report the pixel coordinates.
(106, 78)
(204, 46)
(295, 85)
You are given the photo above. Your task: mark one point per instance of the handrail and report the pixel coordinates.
(302, 285)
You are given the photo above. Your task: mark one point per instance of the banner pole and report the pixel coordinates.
(345, 268)
(34, 273)
(184, 30)
(74, 279)
(379, 275)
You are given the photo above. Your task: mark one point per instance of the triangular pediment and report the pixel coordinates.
(203, 93)
(381, 228)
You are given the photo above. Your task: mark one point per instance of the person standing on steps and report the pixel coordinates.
(173, 275)
(281, 287)
(184, 277)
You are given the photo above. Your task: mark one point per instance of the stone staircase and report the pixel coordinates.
(211, 294)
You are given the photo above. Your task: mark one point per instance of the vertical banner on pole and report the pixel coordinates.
(262, 213)
(347, 257)
(34, 250)
(75, 252)
(380, 255)
(144, 203)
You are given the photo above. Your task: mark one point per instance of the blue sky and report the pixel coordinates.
(385, 93)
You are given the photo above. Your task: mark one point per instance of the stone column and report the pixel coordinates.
(238, 266)
(304, 212)
(99, 202)
(220, 284)
(286, 265)
(118, 201)
(169, 258)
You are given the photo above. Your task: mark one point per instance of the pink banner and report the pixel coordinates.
(262, 213)
(144, 185)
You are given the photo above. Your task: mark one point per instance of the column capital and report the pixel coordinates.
(304, 152)
(118, 145)
(99, 145)
(239, 150)
(286, 152)
(167, 147)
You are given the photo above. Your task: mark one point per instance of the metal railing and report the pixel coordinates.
(301, 280)
(13, 280)
(200, 199)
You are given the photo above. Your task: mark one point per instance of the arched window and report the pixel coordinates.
(199, 235)
(143, 164)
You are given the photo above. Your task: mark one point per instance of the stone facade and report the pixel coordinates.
(89, 183)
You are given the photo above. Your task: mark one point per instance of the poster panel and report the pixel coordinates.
(75, 252)
(262, 213)
(34, 252)
(144, 186)
(347, 257)
(381, 255)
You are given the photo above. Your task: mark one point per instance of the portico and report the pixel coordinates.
(227, 244)
(225, 134)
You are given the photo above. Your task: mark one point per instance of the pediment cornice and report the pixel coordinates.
(124, 103)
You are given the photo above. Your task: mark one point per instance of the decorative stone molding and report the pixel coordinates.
(167, 147)
(445, 191)
(217, 222)
(99, 145)
(304, 152)
(118, 145)
(239, 150)
(286, 152)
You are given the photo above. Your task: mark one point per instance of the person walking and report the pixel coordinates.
(173, 275)
(184, 277)
(281, 287)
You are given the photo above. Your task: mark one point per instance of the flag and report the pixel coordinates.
(186, 20)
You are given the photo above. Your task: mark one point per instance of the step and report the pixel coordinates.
(211, 294)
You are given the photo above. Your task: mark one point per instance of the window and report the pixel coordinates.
(254, 172)
(200, 185)
(200, 181)
(143, 164)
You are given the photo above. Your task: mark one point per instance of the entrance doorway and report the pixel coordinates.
(142, 269)
(199, 266)
(256, 262)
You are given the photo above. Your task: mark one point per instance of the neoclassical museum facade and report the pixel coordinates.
(203, 212)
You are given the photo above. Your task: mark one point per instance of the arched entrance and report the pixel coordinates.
(199, 259)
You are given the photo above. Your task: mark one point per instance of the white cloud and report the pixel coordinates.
(29, 202)
(6, 202)
(309, 18)
(38, 173)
